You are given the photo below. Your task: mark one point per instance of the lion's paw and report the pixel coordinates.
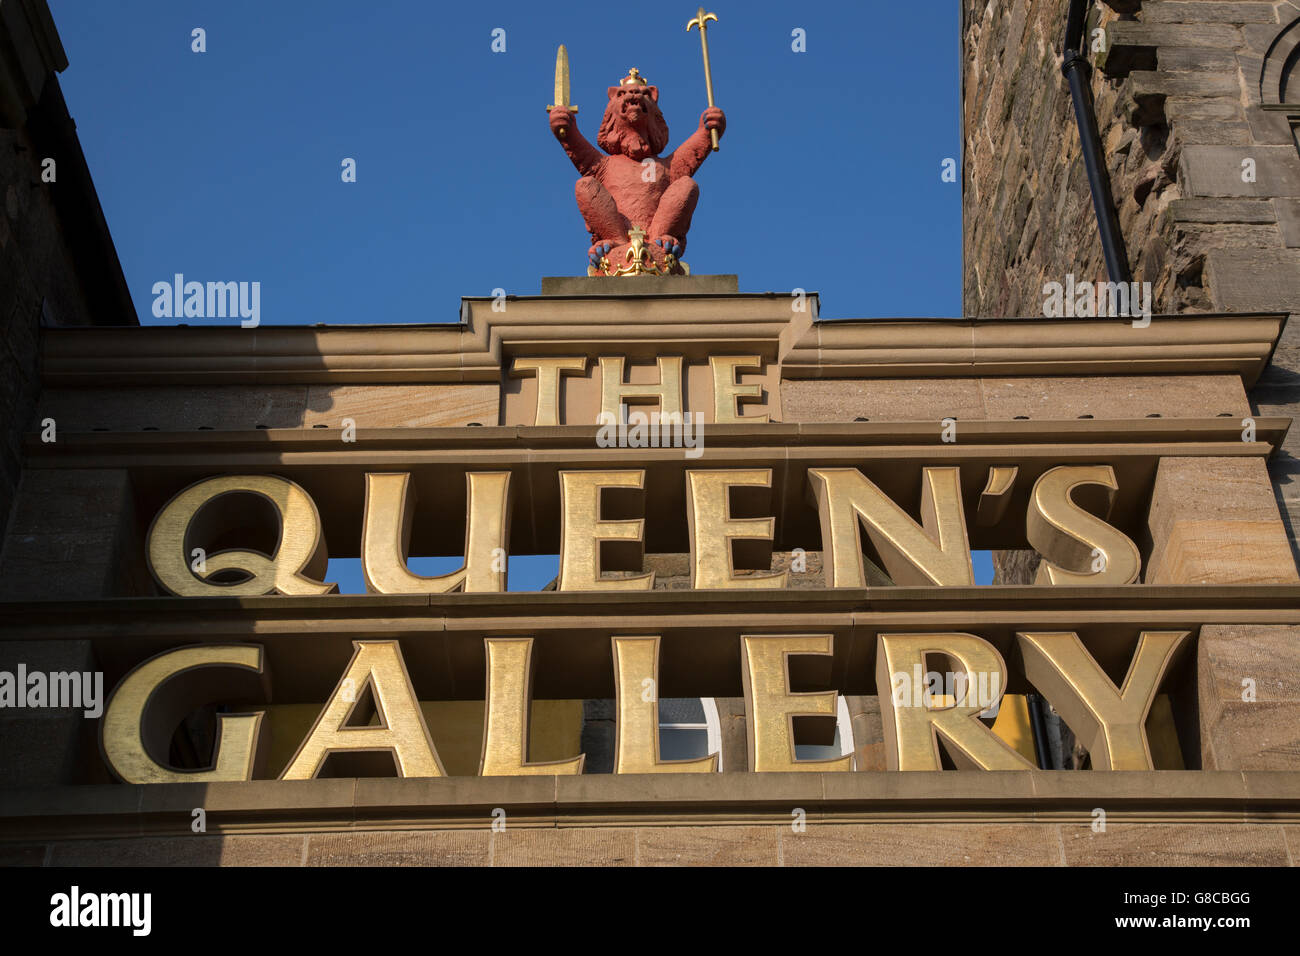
(598, 251)
(669, 245)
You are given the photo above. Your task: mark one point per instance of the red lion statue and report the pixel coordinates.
(637, 206)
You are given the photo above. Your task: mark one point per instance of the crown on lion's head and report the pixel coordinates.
(633, 124)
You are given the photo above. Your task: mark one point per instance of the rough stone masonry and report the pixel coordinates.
(1191, 102)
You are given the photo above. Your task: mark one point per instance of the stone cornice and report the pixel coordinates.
(309, 639)
(477, 348)
(1023, 440)
(360, 804)
(1238, 344)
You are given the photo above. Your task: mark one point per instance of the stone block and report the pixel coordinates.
(1219, 171)
(1214, 133)
(1180, 109)
(1267, 127)
(564, 846)
(707, 846)
(735, 745)
(1129, 397)
(1288, 218)
(175, 408)
(63, 564)
(1258, 37)
(70, 501)
(408, 406)
(1203, 11)
(940, 844)
(1253, 280)
(1248, 684)
(48, 745)
(1196, 60)
(881, 400)
(469, 847)
(183, 850)
(1151, 82)
(1293, 843)
(1215, 521)
(868, 733)
(1255, 211)
(22, 854)
(1171, 845)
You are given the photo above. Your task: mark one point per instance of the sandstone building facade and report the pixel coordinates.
(1000, 398)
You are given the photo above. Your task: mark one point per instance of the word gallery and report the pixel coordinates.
(375, 708)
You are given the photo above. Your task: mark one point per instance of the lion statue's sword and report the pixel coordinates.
(562, 84)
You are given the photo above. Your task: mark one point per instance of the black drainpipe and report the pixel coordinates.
(1075, 69)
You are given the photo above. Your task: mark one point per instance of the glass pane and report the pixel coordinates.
(678, 744)
(819, 751)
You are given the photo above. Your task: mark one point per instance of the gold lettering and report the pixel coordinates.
(996, 495)
(505, 727)
(156, 696)
(386, 536)
(548, 372)
(299, 559)
(615, 392)
(401, 730)
(636, 739)
(1109, 721)
(771, 706)
(914, 727)
(728, 393)
(935, 552)
(713, 531)
(1077, 547)
(583, 531)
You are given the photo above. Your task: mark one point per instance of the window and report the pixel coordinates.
(689, 728)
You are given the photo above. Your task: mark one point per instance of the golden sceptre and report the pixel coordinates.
(701, 20)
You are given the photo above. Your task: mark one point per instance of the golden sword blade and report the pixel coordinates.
(562, 84)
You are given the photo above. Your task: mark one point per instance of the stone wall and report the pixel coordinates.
(65, 533)
(1205, 178)
(956, 818)
(58, 266)
(1177, 94)
(1026, 211)
(862, 844)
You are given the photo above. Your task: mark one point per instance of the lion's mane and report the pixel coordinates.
(613, 130)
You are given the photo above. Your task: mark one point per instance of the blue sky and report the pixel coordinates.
(225, 165)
